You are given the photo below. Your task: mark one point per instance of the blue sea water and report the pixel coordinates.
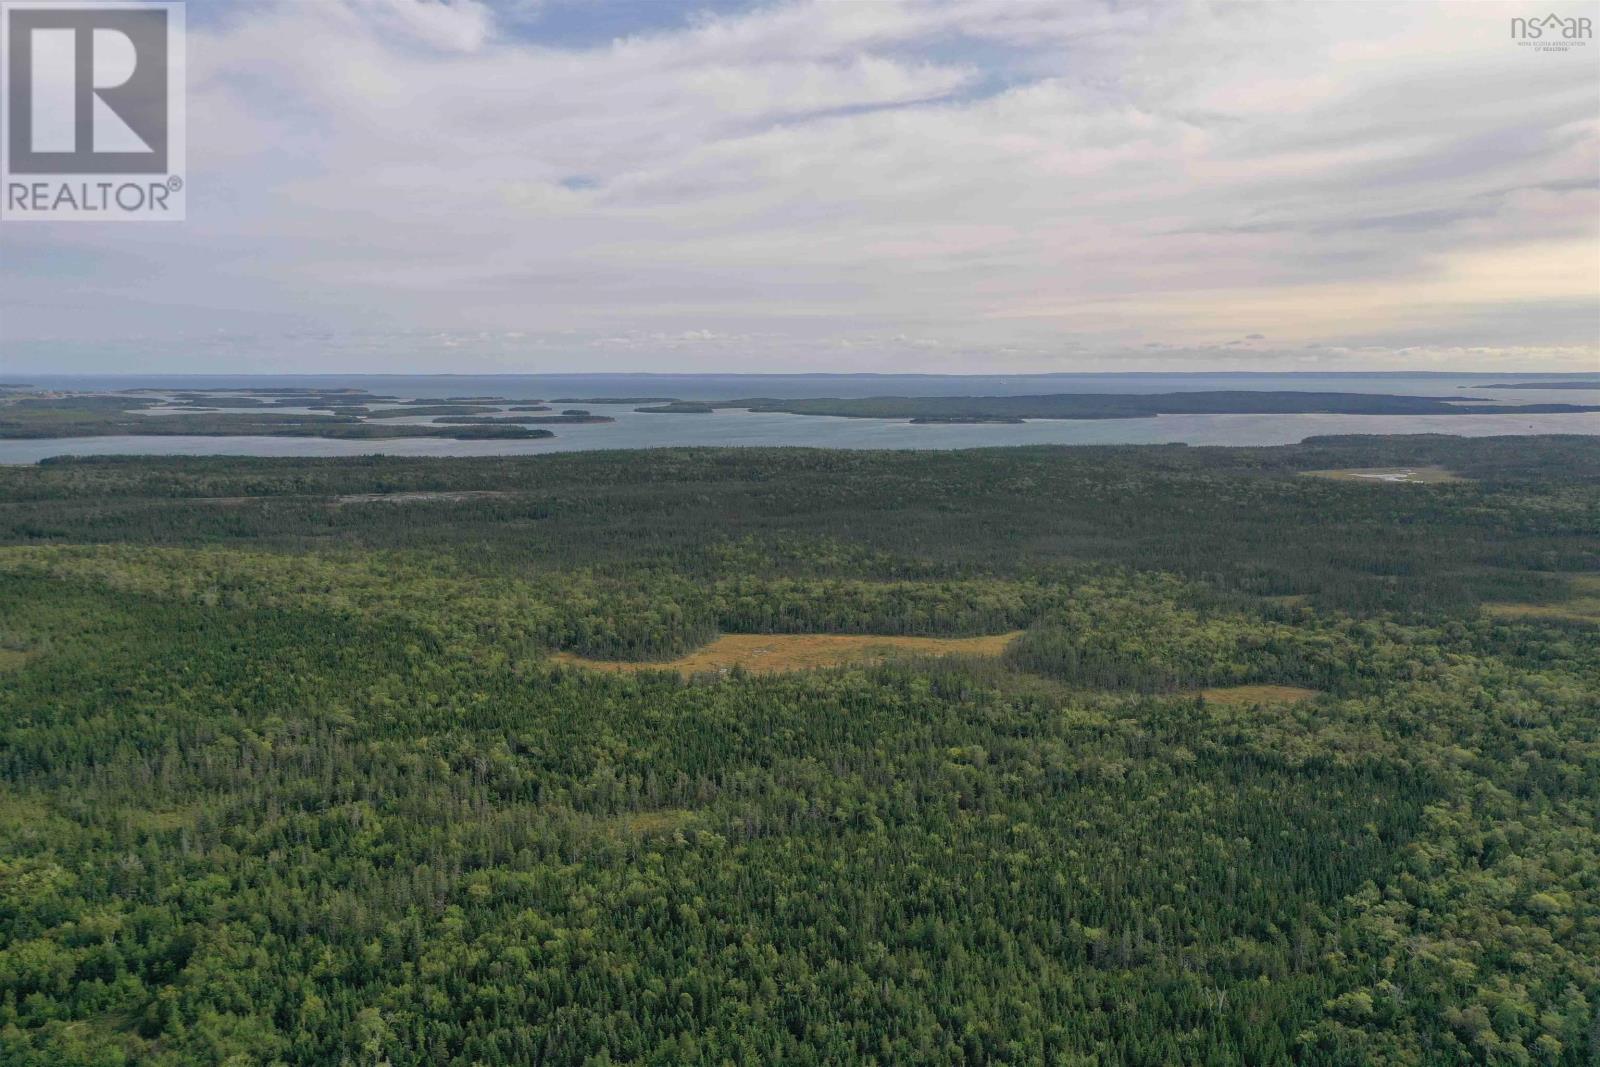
(737, 427)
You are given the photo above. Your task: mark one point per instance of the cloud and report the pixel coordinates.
(1026, 185)
(446, 25)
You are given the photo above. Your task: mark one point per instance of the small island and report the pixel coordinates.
(613, 400)
(679, 407)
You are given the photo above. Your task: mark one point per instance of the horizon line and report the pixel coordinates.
(1595, 375)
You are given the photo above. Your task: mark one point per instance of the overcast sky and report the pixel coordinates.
(967, 186)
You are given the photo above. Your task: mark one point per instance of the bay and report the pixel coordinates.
(737, 427)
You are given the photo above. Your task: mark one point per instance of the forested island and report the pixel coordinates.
(615, 400)
(678, 407)
(1187, 755)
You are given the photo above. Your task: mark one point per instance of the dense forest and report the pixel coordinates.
(288, 774)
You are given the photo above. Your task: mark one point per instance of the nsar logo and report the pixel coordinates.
(93, 105)
(1552, 33)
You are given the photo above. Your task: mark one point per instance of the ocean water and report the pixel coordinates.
(737, 427)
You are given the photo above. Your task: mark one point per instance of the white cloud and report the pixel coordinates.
(997, 186)
(448, 25)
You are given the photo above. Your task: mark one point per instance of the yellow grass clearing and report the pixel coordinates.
(1258, 694)
(1390, 475)
(11, 658)
(771, 653)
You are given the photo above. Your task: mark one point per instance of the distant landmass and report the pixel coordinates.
(1540, 385)
(1140, 405)
(125, 414)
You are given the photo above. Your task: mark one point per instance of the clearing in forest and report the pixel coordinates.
(1584, 606)
(1390, 475)
(1246, 695)
(770, 653)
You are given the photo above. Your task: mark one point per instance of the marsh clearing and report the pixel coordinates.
(774, 653)
(1582, 606)
(1390, 475)
(420, 496)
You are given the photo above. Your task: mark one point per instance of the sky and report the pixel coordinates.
(945, 186)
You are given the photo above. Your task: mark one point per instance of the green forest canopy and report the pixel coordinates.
(288, 776)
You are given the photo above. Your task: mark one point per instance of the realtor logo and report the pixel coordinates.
(93, 111)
